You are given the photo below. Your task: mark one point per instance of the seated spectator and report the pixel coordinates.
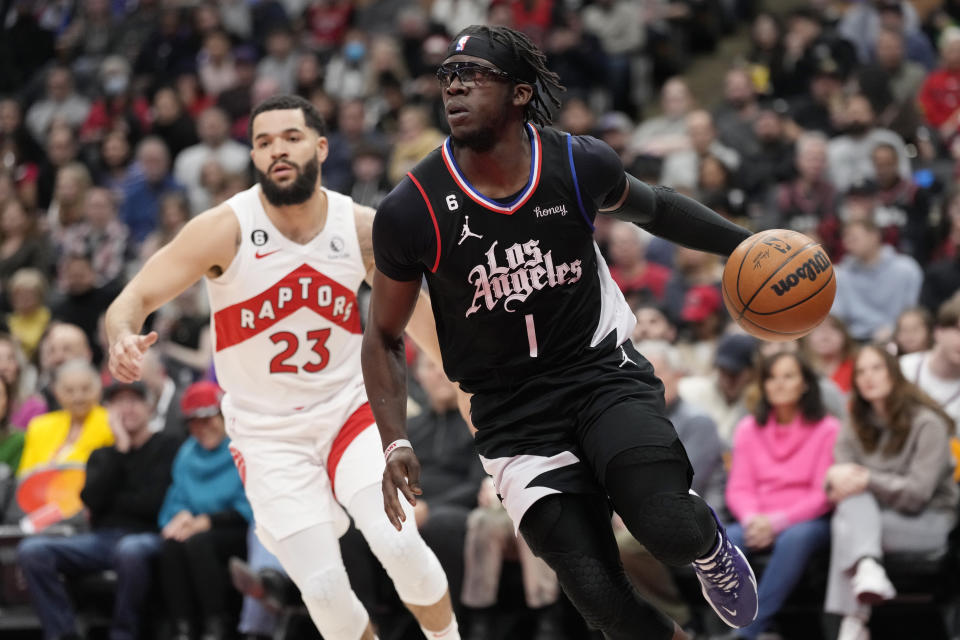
(902, 207)
(721, 393)
(914, 331)
(22, 244)
(830, 349)
(638, 279)
(681, 168)
(68, 435)
(100, 235)
(149, 181)
(25, 403)
(833, 398)
(491, 539)
(735, 115)
(703, 317)
(215, 64)
(451, 473)
(164, 397)
(171, 124)
(942, 277)
(124, 487)
(213, 129)
(849, 154)
(69, 193)
(11, 446)
(809, 201)
(203, 520)
(781, 454)
(174, 213)
(82, 301)
(653, 324)
(59, 103)
(937, 371)
(118, 108)
(30, 315)
(940, 92)
(874, 283)
(61, 150)
(892, 483)
(667, 133)
(62, 342)
(185, 341)
(698, 433)
(415, 139)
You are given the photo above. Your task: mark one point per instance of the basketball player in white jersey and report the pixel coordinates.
(282, 263)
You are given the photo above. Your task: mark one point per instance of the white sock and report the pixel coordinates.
(450, 632)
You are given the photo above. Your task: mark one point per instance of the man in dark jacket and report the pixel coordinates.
(124, 489)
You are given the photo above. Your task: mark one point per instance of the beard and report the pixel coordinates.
(297, 192)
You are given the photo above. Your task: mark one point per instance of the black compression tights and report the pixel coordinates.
(572, 534)
(649, 488)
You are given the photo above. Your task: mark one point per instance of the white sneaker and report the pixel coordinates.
(871, 584)
(853, 628)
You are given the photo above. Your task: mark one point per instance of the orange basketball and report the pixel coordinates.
(779, 284)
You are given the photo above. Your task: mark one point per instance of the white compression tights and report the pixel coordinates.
(413, 567)
(312, 559)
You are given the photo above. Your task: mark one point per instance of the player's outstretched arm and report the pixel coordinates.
(206, 244)
(385, 376)
(676, 217)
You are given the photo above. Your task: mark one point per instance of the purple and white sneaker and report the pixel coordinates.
(728, 582)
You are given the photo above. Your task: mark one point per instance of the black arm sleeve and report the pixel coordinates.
(404, 237)
(599, 172)
(677, 218)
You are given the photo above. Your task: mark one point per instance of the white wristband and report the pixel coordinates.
(396, 444)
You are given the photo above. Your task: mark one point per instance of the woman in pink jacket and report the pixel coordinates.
(781, 454)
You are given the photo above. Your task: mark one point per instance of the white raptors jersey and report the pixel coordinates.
(285, 320)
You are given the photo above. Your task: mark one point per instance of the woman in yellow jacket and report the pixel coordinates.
(67, 437)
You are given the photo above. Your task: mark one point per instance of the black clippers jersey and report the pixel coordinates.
(520, 288)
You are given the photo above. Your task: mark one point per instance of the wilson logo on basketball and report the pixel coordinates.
(809, 270)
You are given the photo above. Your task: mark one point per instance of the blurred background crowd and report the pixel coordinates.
(830, 457)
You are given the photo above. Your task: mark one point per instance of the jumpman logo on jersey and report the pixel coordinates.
(626, 358)
(466, 233)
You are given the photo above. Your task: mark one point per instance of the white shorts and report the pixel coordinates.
(296, 483)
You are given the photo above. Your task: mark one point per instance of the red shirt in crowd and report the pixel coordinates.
(940, 95)
(653, 278)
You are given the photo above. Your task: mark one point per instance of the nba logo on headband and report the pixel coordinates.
(462, 42)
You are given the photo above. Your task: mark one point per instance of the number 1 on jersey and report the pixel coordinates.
(531, 335)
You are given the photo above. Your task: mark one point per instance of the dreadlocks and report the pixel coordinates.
(546, 83)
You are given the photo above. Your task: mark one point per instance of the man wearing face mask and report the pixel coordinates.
(115, 105)
(849, 155)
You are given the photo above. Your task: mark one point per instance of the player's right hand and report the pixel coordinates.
(401, 474)
(126, 356)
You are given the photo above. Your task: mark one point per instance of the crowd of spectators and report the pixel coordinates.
(122, 119)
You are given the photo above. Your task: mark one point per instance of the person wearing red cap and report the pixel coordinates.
(282, 263)
(204, 519)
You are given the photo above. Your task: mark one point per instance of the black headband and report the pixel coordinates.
(494, 52)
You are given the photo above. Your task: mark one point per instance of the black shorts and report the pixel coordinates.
(557, 433)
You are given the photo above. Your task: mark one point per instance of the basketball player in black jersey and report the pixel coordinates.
(570, 418)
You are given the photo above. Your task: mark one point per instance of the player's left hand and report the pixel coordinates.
(401, 474)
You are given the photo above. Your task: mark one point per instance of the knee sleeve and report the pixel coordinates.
(332, 604)
(676, 528)
(411, 564)
(572, 534)
(650, 489)
(312, 560)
